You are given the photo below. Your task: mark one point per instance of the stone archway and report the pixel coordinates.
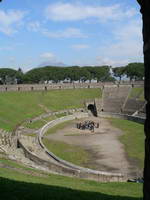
(92, 108)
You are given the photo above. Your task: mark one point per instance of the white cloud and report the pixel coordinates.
(110, 62)
(80, 46)
(73, 12)
(9, 20)
(48, 56)
(127, 46)
(34, 26)
(131, 30)
(67, 33)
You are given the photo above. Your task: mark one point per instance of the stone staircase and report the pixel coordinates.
(133, 105)
(31, 143)
(114, 97)
(6, 140)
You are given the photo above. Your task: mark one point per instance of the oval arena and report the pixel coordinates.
(106, 157)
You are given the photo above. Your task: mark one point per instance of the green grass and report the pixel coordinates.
(137, 93)
(50, 118)
(71, 153)
(36, 124)
(74, 134)
(40, 123)
(57, 127)
(18, 106)
(133, 139)
(60, 115)
(15, 185)
(19, 186)
(14, 164)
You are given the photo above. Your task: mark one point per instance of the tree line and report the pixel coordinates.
(133, 71)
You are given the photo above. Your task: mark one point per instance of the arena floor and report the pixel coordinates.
(106, 151)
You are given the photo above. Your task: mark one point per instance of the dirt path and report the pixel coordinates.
(107, 152)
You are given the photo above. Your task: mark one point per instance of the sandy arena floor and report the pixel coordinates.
(107, 153)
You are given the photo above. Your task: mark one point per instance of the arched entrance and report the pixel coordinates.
(92, 108)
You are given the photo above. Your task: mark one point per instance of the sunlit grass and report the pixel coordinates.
(18, 106)
(133, 138)
(71, 153)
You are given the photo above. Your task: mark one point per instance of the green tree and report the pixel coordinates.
(8, 76)
(102, 73)
(135, 71)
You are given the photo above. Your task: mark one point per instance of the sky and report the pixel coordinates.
(70, 32)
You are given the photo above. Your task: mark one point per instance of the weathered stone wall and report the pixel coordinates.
(45, 87)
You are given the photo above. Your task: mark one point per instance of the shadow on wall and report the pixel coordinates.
(16, 190)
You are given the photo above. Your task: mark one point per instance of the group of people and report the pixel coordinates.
(90, 125)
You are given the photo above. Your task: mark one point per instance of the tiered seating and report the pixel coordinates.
(114, 98)
(142, 111)
(133, 105)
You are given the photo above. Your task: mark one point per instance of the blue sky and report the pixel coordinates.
(73, 32)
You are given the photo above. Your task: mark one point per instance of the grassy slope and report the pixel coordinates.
(19, 186)
(39, 123)
(35, 125)
(133, 139)
(18, 106)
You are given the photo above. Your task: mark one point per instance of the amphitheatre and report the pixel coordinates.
(76, 141)
(48, 139)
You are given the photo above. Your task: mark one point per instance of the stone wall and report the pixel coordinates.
(63, 170)
(137, 119)
(45, 87)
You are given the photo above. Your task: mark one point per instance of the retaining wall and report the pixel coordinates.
(137, 119)
(45, 87)
(64, 167)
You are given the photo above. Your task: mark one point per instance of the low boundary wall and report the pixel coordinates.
(46, 87)
(68, 169)
(122, 116)
(64, 167)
